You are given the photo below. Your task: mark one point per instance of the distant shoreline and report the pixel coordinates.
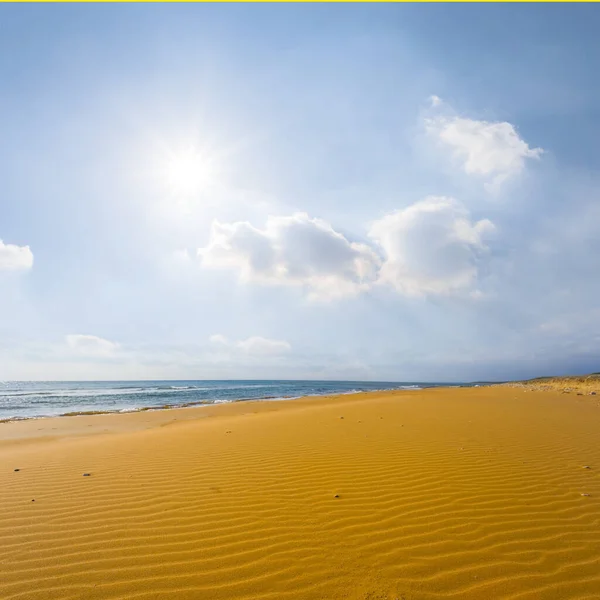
(578, 384)
(206, 404)
(27, 400)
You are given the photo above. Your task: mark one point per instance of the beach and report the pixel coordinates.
(471, 493)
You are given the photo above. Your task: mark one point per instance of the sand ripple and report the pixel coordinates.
(469, 494)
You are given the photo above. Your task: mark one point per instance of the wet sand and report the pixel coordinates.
(477, 493)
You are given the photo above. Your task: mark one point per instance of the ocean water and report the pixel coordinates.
(27, 399)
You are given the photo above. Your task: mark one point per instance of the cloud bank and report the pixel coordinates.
(430, 247)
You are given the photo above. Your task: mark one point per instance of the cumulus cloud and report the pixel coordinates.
(91, 345)
(431, 247)
(15, 258)
(492, 150)
(294, 250)
(255, 345)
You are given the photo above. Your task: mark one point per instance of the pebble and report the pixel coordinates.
(86, 474)
(337, 496)
(585, 494)
(16, 470)
(33, 500)
(586, 467)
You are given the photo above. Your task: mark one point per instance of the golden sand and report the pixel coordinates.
(456, 493)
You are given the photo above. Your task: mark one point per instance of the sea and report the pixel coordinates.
(29, 399)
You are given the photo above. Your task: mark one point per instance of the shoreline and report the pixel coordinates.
(580, 385)
(109, 422)
(147, 418)
(202, 403)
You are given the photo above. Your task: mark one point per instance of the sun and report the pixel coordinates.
(189, 172)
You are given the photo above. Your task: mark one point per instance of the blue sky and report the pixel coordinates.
(386, 192)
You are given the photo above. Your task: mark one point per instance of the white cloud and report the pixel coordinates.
(431, 247)
(15, 258)
(255, 345)
(295, 250)
(218, 339)
(91, 345)
(263, 346)
(492, 150)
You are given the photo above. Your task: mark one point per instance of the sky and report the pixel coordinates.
(387, 192)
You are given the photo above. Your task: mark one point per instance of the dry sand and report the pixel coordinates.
(577, 384)
(457, 493)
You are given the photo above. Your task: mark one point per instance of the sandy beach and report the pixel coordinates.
(481, 493)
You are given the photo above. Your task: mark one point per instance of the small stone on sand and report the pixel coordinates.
(337, 496)
(586, 467)
(585, 494)
(17, 470)
(86, 474)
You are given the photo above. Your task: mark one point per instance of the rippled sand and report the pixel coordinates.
(457, 493)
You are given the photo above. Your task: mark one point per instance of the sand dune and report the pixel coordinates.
(458, 493)
(582, 384)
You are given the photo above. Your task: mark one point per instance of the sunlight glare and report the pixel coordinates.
(189, 172)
